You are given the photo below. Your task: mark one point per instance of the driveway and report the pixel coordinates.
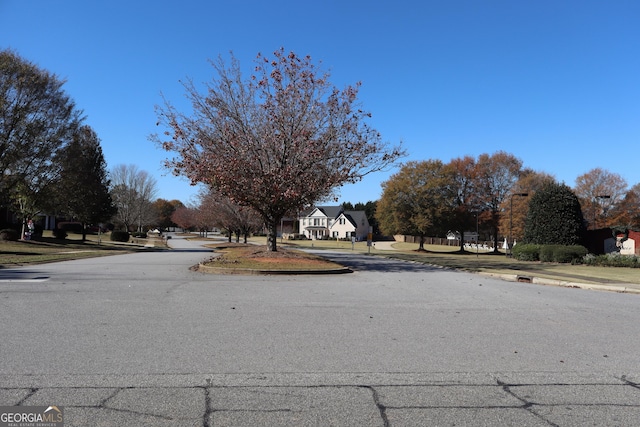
(140, 339)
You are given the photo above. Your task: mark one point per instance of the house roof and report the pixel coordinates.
(356, 217)
(328, 211)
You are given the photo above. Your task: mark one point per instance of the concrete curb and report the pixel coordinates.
(617, 287)
(248, 271)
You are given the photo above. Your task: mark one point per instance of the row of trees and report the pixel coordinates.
(215, 211)
(51, 162)
(493, 192)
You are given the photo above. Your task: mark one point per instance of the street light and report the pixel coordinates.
(509, 241)
(477, 235)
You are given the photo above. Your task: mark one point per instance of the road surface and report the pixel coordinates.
(140, 339)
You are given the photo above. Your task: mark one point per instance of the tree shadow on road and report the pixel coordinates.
(361, 262)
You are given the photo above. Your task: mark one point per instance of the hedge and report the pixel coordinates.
(119, 236)
(9, 234)
(550, 253)
(60, 233)
(71, 227)
(526, 252)
(613, 260)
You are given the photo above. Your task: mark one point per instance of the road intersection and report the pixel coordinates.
(140, 339)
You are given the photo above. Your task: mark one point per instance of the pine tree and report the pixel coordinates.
(82, 191)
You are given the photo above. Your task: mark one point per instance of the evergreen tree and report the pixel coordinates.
(554, 217)
(83, 188)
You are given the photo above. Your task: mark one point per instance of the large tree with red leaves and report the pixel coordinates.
(278, 141)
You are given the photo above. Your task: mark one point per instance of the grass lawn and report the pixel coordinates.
(48, 249)
(449, 257)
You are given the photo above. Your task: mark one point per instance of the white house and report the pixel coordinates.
(333, 222)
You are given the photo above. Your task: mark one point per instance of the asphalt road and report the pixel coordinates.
(142, 340)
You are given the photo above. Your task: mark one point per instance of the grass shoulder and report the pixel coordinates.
(47, 249)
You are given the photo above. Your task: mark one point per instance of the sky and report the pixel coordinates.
(554, 82)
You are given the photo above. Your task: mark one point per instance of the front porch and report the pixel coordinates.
(316, 232)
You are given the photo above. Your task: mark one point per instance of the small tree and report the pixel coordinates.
(163, 210)
(228, 215)
(554, 217)
(184, 217)
(277, 142)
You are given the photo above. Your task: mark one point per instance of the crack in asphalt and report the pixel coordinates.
(526, 405)
(382, 403)
(381, 407)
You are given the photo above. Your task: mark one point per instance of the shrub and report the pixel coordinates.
(547, 253)
(526, 252)
(139, 234)
(119, 236)
(71, 227)
(561, 253)
(59, 233)
(37, 231)
(9, 234)
(612, 260)
(570, 254)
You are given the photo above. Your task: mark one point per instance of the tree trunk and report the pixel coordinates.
(272, 235)
(462, 241)
(496, 243)
(421, 247)
(84, 231)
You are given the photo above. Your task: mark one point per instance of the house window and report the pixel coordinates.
(316, 221)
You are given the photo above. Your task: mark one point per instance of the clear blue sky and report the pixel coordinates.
(554, 82)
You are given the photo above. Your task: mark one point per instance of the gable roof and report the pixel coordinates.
(328, 211)
(356, 217)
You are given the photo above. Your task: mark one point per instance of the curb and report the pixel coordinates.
(620, 287)
(248, 271)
